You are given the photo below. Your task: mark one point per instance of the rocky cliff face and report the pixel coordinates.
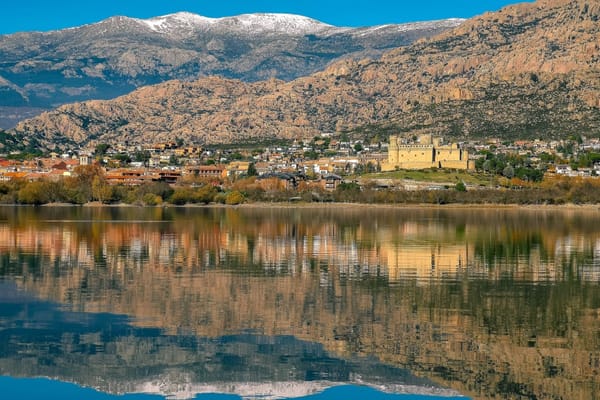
(115, 56)
(528, 70)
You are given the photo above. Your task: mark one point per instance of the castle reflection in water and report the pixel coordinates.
(403, 246)
(489, 302)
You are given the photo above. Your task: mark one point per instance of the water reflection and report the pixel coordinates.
(106, 352)
(488, 302)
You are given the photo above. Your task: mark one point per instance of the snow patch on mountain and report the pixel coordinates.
(185, 22)
(287, 23)
(165, 23)
(411, 26)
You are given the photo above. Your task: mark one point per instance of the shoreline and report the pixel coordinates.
(334, 205)
(457, 206)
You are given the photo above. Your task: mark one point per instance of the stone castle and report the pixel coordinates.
(429, 152)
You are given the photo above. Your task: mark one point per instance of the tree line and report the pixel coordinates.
(88, 184)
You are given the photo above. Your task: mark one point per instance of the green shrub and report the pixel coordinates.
(183, 196)
(233, 198)
(33, 193)
(162, 189)
(220, 198)
(206, 194)
(151, 199)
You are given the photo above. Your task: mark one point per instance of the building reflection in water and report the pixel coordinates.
(488, 302)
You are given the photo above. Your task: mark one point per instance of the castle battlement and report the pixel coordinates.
(414, 146)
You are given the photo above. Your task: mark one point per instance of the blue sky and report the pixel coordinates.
(43, 15)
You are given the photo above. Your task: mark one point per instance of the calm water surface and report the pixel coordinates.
(320, 304)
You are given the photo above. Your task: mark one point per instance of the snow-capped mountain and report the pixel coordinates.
(247, 23)
(112, 57)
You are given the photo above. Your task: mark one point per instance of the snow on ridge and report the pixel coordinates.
(166, 23)
(259, 23)
(185, 24)
(279, 22)
(411, 26)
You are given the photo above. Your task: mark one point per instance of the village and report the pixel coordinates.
(325, 160)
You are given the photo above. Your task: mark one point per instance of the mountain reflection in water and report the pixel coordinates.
(105, 352)
(287, 302)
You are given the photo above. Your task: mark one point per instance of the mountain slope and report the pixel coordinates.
(117, 55)
(527, 70)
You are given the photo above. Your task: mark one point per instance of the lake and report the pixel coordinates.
(341, 302)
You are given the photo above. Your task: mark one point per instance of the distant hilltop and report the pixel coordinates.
(42, 70)
(527, 71)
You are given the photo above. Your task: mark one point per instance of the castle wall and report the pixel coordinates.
(428, 154)
(463, 164)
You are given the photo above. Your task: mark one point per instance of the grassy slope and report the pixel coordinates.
(435, 176)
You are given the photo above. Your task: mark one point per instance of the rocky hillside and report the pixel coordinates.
(529, 70)
(115, 56)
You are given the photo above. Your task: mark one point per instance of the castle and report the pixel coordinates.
(428, 153)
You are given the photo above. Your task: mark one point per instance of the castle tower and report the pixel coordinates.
(426, 140)
(393, 150)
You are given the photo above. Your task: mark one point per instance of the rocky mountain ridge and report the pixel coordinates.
(117, 55)
(529, 70)
(186, 24)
